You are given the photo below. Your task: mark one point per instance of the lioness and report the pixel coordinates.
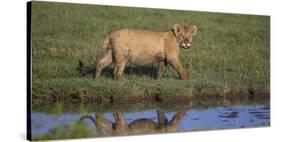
(139, 126)
(141, 47)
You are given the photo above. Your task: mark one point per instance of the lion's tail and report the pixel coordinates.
(106, 43)
(86, 69)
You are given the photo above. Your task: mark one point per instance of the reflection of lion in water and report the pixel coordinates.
(139, 126)
(142, 48)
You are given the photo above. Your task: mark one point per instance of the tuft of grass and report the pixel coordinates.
(230, 52)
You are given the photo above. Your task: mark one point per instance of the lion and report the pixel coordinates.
(139, 126)
(142, 48)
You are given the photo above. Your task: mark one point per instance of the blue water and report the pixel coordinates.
(238, 116)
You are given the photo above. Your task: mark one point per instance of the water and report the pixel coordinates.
(148, 121)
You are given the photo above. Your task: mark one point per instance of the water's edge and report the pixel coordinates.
(50, 125)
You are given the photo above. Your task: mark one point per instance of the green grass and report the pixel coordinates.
(230, 54)
(79, 130)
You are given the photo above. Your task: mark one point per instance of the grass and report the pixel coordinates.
(79, 130)
(230, 54)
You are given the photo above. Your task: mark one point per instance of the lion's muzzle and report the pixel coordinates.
(186, 45)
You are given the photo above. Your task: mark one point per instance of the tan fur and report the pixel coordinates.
(141, 47)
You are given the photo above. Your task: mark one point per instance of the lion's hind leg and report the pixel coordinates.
(118, 70)
(103, 61)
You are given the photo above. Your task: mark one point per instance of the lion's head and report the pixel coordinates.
(184, 35)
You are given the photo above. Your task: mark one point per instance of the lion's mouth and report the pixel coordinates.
(186, 45)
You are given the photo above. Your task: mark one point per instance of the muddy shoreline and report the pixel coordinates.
(113, 102)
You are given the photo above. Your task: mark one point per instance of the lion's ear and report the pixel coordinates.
(177, 29)
(194, 30)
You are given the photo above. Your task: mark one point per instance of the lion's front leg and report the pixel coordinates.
(179, 69)
(121, 126)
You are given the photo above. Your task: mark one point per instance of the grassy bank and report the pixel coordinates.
(230, 53)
